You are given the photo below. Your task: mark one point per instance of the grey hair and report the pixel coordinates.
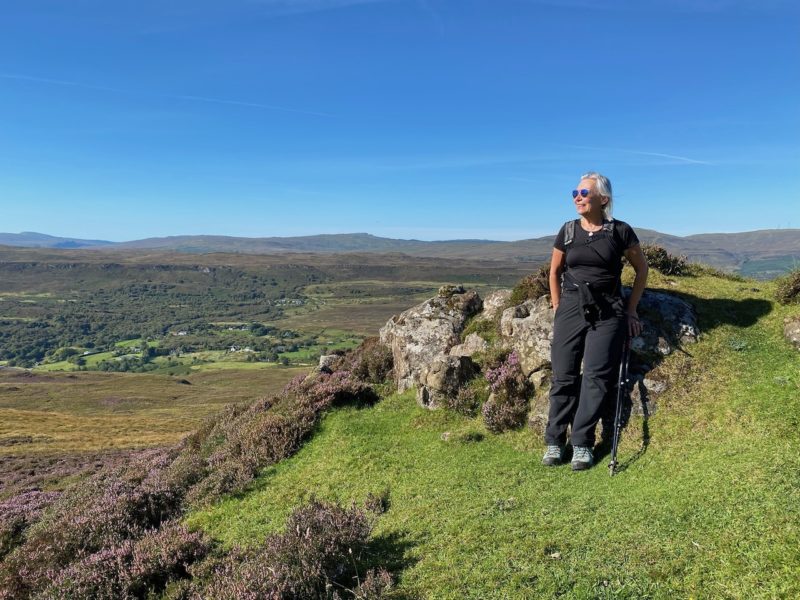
(603, 187)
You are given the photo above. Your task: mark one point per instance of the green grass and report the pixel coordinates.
(312, 352)
(131, 343)
(708, 508)
(237, 365)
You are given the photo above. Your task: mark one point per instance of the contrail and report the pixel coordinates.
(206, 99)
(644, 153)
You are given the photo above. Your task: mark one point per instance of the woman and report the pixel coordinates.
(591, 320)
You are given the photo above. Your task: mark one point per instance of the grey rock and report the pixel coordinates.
(493, 304)
(667, 323)
(442, 379)
(791, 330)
(326, 361)
(472, 344)
(644, 394)
(528, 330)
(425, 332)
(539, 379)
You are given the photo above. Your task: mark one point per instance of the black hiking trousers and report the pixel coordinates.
(578, 399)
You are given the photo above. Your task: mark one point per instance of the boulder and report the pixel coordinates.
(791, 330)
(667, 323)
(472, 344)
(326, 361)
(494, 303)
(528, 330)
(442, 379)
(643, 394)
(427, 331)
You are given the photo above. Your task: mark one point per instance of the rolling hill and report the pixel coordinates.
(761, 254)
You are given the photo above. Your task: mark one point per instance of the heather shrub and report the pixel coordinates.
(501, 414)
(94, 516)
(371, 361)
(469, 398)
(787, 290)
(101, 576)
(658, 258)
(112, 535)
(375, 585)
(507, 406)
(227, 477)
(465, 402)
(320, 549)
(531, 286)
(138, 569)
(163, 555)
(20, 512)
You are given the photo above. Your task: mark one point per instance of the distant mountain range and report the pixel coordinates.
(763, 253)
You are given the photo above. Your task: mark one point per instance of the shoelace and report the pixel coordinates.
(581, 454)
(553, 452)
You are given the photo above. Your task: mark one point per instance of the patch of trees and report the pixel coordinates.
(108, 303)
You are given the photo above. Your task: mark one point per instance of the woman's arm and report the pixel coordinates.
(638, 261)
(556, 268)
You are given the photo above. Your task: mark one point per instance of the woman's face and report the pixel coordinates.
(592, 203)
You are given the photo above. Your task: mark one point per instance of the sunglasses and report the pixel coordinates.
(584, 192)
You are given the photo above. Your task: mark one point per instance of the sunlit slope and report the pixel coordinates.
(707, 505)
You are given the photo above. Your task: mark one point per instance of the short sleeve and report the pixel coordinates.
(628, 236)
(559, 243)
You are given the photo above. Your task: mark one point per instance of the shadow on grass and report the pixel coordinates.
(711, 313)
(715, 312)
(391, 552)
(605, 447)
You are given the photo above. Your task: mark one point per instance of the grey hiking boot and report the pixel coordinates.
(553, 456)
(582, 458)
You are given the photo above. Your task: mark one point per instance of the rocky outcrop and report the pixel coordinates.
(791, 330)
(426, 332)
(443, 378)
(528, 330)
(428, 353)
(667, 323)
(494, 304)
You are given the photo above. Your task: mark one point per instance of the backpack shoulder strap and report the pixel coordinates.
(569, 233)
(611, 231)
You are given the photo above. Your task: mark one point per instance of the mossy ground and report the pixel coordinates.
(707, 505)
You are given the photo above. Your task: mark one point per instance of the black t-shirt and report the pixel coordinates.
(595, 258)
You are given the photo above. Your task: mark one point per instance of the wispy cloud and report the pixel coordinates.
(293, 7)
(674, 6)
(206, 99)
(675, 157)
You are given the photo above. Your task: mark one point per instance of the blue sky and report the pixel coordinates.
(428, 119)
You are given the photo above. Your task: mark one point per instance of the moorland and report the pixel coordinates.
(705, 503)
(107, 353)
(762, 254)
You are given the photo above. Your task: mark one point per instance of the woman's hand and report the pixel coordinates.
(634, 325)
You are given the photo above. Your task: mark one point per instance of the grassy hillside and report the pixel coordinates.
(707, 504)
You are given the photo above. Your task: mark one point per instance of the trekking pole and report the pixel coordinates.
(622, 387)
